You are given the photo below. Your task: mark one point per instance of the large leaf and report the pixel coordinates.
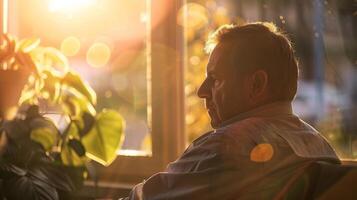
(48, 58)
(74, 103)
(40, 181)
(74, 80)
(52, 84)
(70, 157)
(17, 130)
(29, 187)
(28, 96)
(102, 142)
(45, 136)
(54, 58)
(85, 123)
(77, 146)
(44, 132)
(8, 170)
(27, 45)
(68, 154)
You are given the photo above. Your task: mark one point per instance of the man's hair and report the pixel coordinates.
(261, 45)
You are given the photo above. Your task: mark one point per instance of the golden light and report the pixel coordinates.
(108, 94)
(221, 16)
(196, 14)
(131, 152)
(69, 5)
(5, 15)
(262, 153)
(195, 60)
(70, 46)
(119, 82)
(98, 55)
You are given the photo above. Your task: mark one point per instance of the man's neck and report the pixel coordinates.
(267, 110)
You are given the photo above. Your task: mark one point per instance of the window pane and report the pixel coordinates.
(324, 36)
(105, 41)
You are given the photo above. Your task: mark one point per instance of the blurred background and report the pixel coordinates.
(324, 37)
(106, 41)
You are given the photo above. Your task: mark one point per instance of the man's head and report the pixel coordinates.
(249, 66)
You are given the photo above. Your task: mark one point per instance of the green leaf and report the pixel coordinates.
(74, 81)
(68, 154)
(44, 132)
(27, 45)
(73, 131)
(77, 146)
(75, 104)
(49, 58)
(69, 157)
(106, 136)
(27, 97)
(88, 122)
(56, 58)
(52, 84)
(45, 137)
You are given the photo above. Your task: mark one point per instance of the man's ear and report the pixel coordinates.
(258, 83)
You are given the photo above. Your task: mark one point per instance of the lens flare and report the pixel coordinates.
(98, 55)
(70, 46)
(196, 14)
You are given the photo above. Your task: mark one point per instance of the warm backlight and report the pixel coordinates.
(70, 46)
(98, 55)
(68, 5)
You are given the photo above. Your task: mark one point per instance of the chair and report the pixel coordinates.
(324, 181)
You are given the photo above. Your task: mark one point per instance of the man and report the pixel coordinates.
(258, 145)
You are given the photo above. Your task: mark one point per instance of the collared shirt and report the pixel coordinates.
(250, 156)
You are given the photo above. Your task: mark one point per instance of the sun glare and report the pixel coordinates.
(68, 5)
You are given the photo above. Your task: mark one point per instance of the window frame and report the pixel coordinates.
(167, 100)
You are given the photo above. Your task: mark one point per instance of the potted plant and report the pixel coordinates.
(39, 159)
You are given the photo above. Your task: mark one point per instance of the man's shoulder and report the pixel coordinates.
(238, 138)
(244, 131)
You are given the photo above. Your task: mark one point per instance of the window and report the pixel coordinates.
(131, 53)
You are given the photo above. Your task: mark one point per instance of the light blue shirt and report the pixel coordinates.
(251, 156)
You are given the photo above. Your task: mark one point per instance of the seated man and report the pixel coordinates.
(258, 145)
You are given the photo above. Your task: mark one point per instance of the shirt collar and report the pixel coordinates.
(267, 110)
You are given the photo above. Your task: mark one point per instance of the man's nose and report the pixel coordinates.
(203, 91)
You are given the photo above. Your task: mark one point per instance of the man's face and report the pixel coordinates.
(225, 90)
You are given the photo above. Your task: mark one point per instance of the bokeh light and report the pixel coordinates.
(98, 55)
(108, 94)
(195, 60)
(196, 15)
(119, 82)
(70, 46)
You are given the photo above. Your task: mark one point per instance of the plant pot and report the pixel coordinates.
(11, 84)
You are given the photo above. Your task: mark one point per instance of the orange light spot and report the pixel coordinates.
(262, 153)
